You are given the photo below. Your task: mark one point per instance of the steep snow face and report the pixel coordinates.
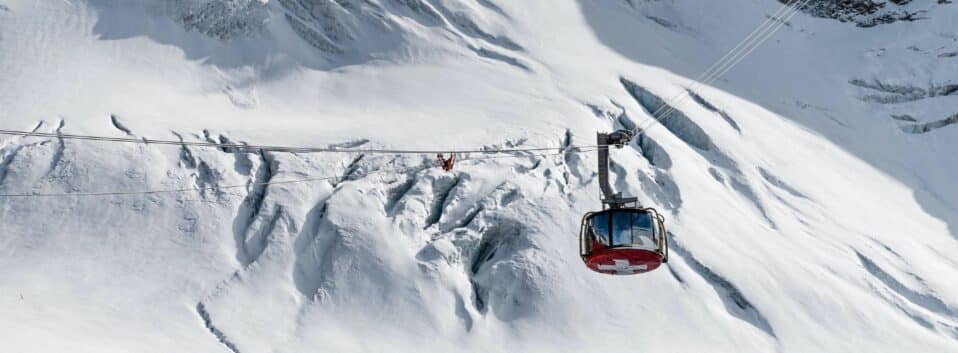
(808, 193)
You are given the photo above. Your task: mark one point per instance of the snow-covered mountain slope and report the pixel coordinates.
(809, 193)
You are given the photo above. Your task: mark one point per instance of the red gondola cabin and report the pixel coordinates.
(623, 241)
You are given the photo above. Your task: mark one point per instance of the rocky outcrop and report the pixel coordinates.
(866, 13)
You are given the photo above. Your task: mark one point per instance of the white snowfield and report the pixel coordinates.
(810, 193)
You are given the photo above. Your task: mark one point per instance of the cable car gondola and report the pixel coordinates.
(623, 238)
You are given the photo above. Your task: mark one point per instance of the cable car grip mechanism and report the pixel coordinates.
(618, 139)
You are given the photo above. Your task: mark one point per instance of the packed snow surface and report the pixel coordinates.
(809, 193)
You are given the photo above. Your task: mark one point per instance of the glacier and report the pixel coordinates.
(809, 193)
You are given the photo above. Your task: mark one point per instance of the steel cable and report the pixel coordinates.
(248, 147)
(752, 41)
(293, 181)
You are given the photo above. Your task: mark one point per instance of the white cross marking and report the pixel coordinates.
(622, 266)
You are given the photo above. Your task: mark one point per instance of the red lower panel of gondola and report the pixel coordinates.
(618, 261)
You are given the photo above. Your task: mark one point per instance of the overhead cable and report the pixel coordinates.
(249, 147)
(271, 182)
(738, 53)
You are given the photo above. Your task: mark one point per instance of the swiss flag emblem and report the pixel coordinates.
(619, 261)
(622, 267)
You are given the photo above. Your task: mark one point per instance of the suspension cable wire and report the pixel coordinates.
(732, 52)
(780, 23)
(280, 182)
(248, 147)
(663, 112)
(754, 40)
(567, 151)
(760, 39)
